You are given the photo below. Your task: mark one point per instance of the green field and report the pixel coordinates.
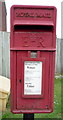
(57, 105)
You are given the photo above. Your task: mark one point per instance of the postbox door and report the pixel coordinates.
(38, 101)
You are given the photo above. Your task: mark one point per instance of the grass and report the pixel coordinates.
(57, 105)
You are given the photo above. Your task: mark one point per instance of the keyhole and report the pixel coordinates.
(20, 81)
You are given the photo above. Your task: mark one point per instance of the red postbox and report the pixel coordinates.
(32, 58)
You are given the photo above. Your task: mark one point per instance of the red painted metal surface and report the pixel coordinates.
(33, 29)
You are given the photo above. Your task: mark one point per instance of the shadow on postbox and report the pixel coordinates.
(32, 58)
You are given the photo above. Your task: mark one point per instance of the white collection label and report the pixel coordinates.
(32, 77)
